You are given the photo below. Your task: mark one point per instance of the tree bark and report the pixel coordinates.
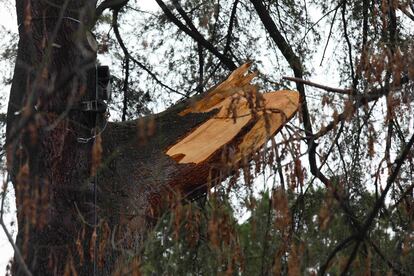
(47, 166)
(139, 168)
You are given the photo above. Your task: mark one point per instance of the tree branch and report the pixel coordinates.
(339, 247)
(199, 45)
(109, 4)
(200, 87)
(230, 28)
(351, 64)
(399, 161)
(327, 88)
(330, 33)
(17, 253)
(184, 15)
(360, 100)
(382, 256)
(278, 38)
(406, 12)
(127, 54)
(194, 34)
(351, 258)
(380, 202)
(296, 66)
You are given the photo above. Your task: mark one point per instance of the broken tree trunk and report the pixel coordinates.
(152, 162)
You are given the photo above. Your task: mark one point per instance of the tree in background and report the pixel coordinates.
(338, 180)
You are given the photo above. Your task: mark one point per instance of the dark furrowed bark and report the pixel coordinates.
(48, 167)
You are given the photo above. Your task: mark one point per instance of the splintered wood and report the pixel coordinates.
(244, 115)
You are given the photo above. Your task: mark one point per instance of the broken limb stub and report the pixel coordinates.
(244, 121)
(178, 153)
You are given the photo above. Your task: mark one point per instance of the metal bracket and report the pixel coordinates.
(98, 106)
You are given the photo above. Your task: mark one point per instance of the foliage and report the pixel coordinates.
(286, 233)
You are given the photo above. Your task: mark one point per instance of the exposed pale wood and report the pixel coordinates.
(211, 135)
(239, 104)
(280, 107)
(237, 82)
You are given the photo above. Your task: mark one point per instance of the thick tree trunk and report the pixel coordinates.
(48, 167)
(140, 168)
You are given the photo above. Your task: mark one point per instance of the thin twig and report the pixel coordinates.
(127, 54)
(230, 28)
(330, 34)
(361, 100)
(345, 91)
(319, 20)
(351, 64)
(17, 253)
